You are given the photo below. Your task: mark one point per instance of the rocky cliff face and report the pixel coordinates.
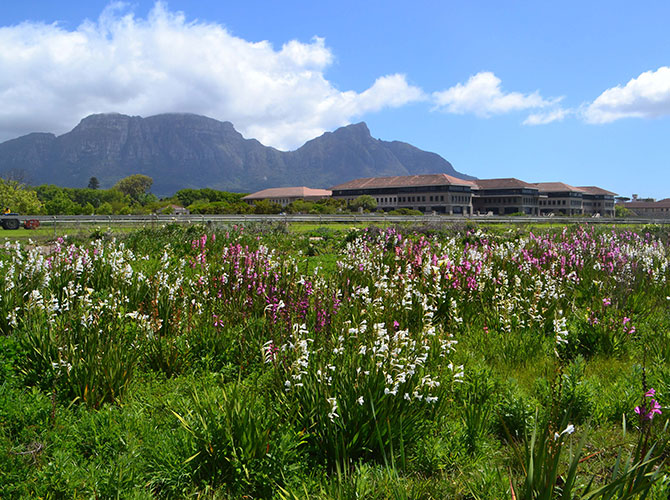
(190, 151)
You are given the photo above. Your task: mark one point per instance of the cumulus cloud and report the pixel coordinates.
(51, 77)
(646, 96)
(483, 96)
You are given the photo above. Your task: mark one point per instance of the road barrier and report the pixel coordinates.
(150, 220)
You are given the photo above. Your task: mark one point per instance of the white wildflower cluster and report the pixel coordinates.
(298, 347)
(561, 329)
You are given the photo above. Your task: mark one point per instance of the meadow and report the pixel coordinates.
(375, 363)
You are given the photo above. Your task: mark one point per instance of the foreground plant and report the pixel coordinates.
(632, 477)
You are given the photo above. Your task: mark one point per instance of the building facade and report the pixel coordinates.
(560, 199)
(444, 194)
(598, 201)
(440, 193)
(287, 195)
(649, 208)
(505, 197)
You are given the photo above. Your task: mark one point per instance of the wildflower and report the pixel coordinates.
(360, 401)
(648, 412)
(333, 410)
(568, 430)
(607, 302)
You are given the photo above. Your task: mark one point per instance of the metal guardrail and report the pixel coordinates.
(326, 219)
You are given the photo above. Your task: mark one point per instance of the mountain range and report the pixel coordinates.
(191, 151)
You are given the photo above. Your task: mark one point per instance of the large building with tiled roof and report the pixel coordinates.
(505, 197)
(649, 208)
(445, 194)
(284, 196)
(598, 201)
(560, 199)
(439, 193)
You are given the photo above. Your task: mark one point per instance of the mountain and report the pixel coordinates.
(191, 151)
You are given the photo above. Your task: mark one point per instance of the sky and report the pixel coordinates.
(577, 92)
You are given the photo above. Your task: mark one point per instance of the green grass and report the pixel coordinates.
(165, 375)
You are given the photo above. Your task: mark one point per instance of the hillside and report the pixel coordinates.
(190, 151)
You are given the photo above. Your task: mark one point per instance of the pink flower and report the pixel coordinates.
(607, 302)
(647, 413)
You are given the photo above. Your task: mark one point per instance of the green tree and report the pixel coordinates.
(266, 207)
(366, 202)
(104, 209)
(93, 183)
(134, 186)
(61, 204)
(620, 211)
(300, 207)
(16, 197)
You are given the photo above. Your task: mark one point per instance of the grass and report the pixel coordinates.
(233, 368)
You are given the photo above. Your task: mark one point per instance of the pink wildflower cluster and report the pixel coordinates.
(648, 408)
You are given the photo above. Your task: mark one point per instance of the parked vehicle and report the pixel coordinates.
(10, 220)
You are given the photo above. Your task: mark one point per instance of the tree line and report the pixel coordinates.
(132, 196)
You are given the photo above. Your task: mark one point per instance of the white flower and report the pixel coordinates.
(333, 410)
(360, 401)
(568, 430)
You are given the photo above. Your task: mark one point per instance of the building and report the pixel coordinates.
(598, 201)
(439, 193)
(449, 195)
(649, 208)
(560, 199)
(505, 197)
(284, 196)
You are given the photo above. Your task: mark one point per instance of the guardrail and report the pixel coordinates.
(326, 219)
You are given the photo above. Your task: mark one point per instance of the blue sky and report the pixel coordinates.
(577, 92)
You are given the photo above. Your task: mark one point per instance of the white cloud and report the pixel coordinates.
(542, 118)
(483, 96)
(646, 96)
(51, 77)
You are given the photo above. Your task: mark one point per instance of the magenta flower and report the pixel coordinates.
(648, 410)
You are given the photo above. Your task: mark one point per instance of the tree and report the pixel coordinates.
(17, 198)
(366, 202)
(620, 211)
(104, 209)
(16, 174)
(61, 204)
(134, 185)
(93, 183)
(266, 207)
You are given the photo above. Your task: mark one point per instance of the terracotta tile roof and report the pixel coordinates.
(287, 192)
(664, 203)
(403, 181)
(507, 183)
(596, 190)
(553, 187)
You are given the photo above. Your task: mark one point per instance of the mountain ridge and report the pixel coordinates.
(183, 150)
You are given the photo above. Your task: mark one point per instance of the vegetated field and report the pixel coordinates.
(364, 363)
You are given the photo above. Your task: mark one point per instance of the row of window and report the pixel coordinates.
(431, 198)
(552, 202)
(504, 201)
